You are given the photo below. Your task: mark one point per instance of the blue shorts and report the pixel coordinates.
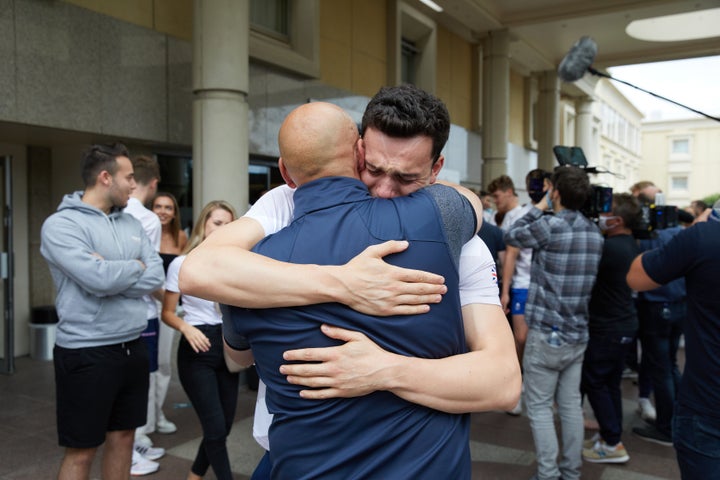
(150, 337)
(518, 298)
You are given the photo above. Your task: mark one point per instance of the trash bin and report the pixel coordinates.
(43, 325)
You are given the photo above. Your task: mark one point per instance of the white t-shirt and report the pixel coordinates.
(521, 276)
(198, 311)
(478, 277)
(153, 229)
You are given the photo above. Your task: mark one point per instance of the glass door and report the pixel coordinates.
(7, 269)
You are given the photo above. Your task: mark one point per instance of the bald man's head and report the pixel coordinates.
(316, 140)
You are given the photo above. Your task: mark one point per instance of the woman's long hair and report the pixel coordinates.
(175, 224)
(198, 232)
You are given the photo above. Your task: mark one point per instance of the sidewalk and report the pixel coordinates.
(501, 446)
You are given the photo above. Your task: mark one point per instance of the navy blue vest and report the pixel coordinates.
(378, 435)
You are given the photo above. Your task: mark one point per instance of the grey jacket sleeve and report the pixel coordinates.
(153, 277)
(65, 246)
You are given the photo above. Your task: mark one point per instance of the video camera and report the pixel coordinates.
(655, 214)
(655, 217)
(600, 198)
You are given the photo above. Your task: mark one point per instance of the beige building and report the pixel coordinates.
(682, 157)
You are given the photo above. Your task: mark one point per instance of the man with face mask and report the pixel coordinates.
(612, 326)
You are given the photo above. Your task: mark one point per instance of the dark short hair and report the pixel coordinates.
(503, 182)
(99, 158)
(628, 208)
(146, 169)
(573, 185)
(406, 111)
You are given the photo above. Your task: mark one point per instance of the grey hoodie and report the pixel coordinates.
(99, 301)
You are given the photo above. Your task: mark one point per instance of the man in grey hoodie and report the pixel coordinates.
(102, 264)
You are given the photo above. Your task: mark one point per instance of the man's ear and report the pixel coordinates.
(435, 171)
(104, 178)
(359, 152)
(285, 174)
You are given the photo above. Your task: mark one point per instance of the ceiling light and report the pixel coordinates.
(432, 5)
(679, 27)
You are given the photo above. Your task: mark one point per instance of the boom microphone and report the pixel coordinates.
(579, 60)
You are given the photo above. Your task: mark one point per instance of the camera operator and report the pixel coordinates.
(661, 313)
(613, 325)
(693, 255)
(566, 253)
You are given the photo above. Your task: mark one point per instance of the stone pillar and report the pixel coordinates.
(221, 33)
(584, 129)
(548, 119)
(496, 104)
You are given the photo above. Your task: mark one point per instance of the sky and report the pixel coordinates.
(693, 82)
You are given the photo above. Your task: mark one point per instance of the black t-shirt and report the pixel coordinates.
(493, 238)
(612, 309)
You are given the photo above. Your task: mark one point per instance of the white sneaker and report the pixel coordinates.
(150, 453)
(163, 425)
(645, 409)
(142, 466)
(142, 439)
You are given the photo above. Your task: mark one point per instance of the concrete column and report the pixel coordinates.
(584, 129)
(548, 119)
(221, 33)
(496, 104)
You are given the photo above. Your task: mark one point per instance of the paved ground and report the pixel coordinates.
(502, 446)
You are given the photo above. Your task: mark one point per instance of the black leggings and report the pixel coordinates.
(213, 391)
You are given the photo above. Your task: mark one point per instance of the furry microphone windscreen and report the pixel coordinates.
(577, 60)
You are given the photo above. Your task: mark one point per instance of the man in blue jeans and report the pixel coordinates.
(693, 254)
(566, 253)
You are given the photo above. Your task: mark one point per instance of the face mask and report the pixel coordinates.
(602, 223)
(549, 201)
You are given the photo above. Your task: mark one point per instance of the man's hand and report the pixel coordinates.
(371, 286)
(348, 370)
(505, 302)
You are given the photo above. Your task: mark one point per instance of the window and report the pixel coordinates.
(286, 37)
(413, 58)
(408, 52)
(679, 183)
(272, 17)
(681, 145)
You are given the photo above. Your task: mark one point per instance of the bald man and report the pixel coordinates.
(379, 435)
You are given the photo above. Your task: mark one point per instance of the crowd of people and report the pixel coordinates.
(607, 322)
(362, 289)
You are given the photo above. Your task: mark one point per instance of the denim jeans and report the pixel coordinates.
(213, 391)
(601, 378)
(660, 330)
(697, 442)
(552, 373)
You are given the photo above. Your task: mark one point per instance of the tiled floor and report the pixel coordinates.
(501, 445)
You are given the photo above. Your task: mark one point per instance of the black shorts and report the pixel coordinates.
(100, 389)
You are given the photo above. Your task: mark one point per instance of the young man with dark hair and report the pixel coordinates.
(102, 265)
(566, 253)
(613, 326)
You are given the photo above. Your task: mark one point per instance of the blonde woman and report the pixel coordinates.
(204, 376)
